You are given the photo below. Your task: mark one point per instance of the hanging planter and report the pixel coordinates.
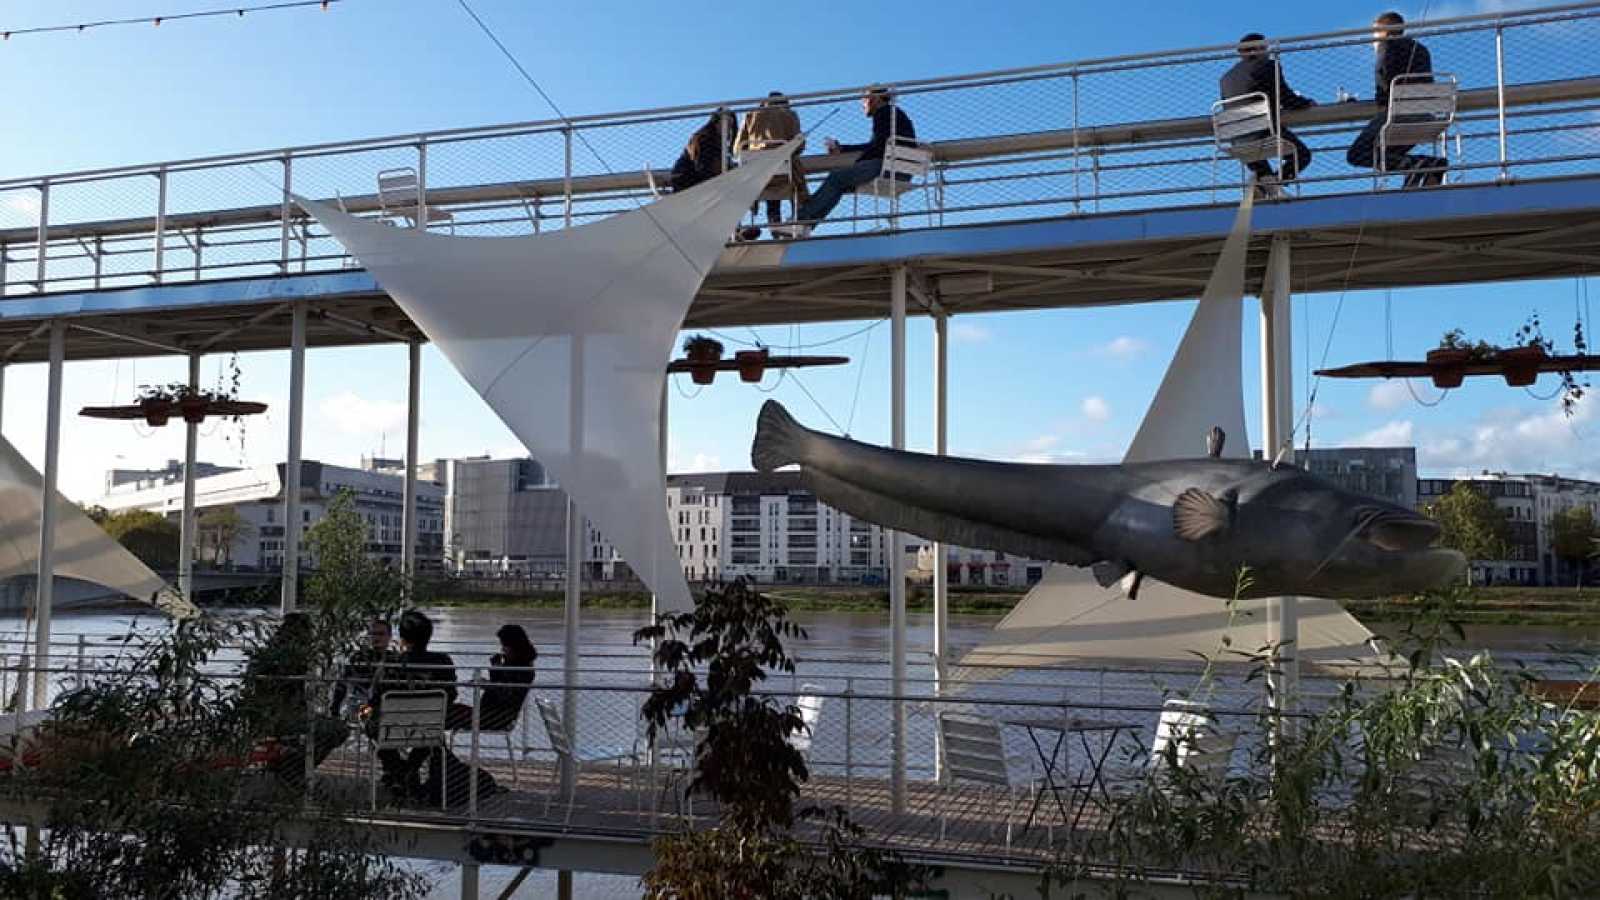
(752, 364)
(1448, 366)
(155, 410)
(1521, 365)
(193, 407)
(704, 353)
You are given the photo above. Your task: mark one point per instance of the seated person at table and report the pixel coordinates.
(511, 672)
(416, 669)
(273, 700)
(1257, 72)
(1396, 55)
(770, 125)
(364, 670)
(889, 122)
(705, 156)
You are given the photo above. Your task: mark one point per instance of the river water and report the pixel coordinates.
(841, 647)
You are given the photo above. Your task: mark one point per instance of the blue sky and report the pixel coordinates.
(1061, 385)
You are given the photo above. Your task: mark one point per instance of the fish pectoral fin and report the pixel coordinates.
(1197, 515)
(1108, 572)
(1130, 584)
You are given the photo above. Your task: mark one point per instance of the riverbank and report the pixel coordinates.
(1554, 607)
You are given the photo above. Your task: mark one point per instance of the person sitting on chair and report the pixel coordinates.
(770, 125)
(889, 122)
(1258, 71)
(273, 699)
(704, 157)
(511, 673)
(1396, 55)
(416, 669)
(364, 670)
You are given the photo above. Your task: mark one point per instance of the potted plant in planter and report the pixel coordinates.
(1523, 359)
(1449, 360)
(158, 403)
(752, 364)
(704, 353)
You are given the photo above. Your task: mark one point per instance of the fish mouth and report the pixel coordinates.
(1399, 531)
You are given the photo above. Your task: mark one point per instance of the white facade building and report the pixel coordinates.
(257, 495)
(1530, 503)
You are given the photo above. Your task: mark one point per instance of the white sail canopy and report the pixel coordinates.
(82, 550)
(567, 335)
(1068, 616)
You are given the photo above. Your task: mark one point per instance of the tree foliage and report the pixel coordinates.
(1573, 533)
(715, 661)
(150, 536)
(220, 527)
(1472, 523)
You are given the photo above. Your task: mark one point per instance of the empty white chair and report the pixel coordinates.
(971, 750)
(400, 198)
(1187, 738)
(408, 719)
(1422, 107)
(905, 169)
(810, 704)
(578, 759)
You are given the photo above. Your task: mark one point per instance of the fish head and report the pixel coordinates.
(1324, 541)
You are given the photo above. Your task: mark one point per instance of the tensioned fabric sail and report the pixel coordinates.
(1067, 616)
(83, 550)
(566, 335)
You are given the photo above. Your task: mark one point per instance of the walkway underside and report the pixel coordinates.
(1452, 235)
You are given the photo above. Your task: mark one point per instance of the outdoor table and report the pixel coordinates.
(1063, 727)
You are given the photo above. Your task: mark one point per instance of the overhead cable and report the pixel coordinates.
(234, 11)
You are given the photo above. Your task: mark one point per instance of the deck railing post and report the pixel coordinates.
(161, 223)
(849, 735)
(283, 214)
(1500, 94)
(83, 650)
(1077, 190)
(472, 777)
(199, 250)
(99, 258)
(566, 178)
(422, 184)
(42, 236)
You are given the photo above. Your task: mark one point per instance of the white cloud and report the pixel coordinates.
(1542, 441)
(1399, 433)
(970, 333)
(1041, 443)
(1123, 348)
(1389, 395)
(353, 414)
(699, 462)
(24, 203)
(1096, 409)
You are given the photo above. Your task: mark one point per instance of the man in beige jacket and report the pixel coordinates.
(768, 125)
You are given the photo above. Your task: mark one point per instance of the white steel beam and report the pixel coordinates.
(941, 576)
(291, 469)
(1277, 428)
(408, 516)
(896, 542)
(44, 588)
(186, 523)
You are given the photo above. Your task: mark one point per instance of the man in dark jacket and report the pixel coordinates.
(1396, 55)
(417, 669)
(1258, 72)
(889, 122)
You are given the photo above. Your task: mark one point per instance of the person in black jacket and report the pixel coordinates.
(889, 122)
(416, 669)
(1396, 55)
(511, 674)
(1258, 72)
(704, 157)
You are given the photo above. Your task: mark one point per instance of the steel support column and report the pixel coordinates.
(469, 881)
(44, 587)
(408, 516)
(570, 618)
(941, 553)
(1277, 429)
(895, 543)
(291, 469)
(563, 885)
(186, 523)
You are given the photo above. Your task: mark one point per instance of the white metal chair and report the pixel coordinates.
(400, 198)
(905, 169)
(971, 750)
(408, 719)
(810, 703)
(1422, 107)
(782, 186)
(650, 180)
(504, 732)
(1243, 127)
(1197, 747)
(579, 760)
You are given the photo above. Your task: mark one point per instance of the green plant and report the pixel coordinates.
(698, 344)
(1472, 523)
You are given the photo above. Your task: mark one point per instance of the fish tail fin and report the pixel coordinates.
(778, 437)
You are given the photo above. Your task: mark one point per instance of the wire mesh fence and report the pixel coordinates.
(1102, 136)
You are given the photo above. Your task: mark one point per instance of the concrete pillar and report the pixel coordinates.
(1277, 429)
(469, 881)
(563, 885)
(408, 516)
(44, 588)
(291, 469)
(186, 523)
(896, 543)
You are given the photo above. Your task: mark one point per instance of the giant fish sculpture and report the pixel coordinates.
(1192, 523)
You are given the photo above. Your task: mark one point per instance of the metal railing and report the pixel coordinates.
(1107, 135)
